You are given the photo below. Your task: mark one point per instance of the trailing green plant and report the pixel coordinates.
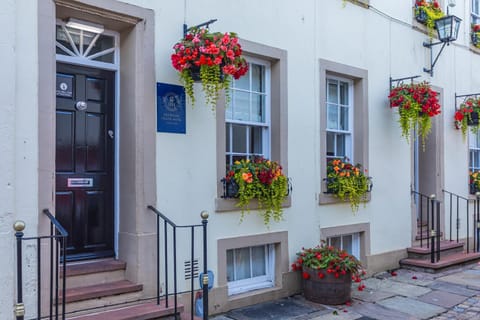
(263, 180)
(213, 58)
(432, 11)
(464, 116)
(417, 103)
(347, 182)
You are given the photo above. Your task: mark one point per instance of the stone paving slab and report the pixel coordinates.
(279, 309)
(371, 296)
(453, 288)
(375, 311)
(339, 315)
(396, 287)
(415, 308)
(442, 298)
(409, 276)
(469, 278)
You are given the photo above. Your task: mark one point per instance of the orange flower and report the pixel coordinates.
(336, 169)
(247, 177)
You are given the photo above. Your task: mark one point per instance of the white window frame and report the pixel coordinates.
(475, 15)
(78, 58)
(355, 243)
(255, 283)
(349, 134)
(473, 149)
(266, 126)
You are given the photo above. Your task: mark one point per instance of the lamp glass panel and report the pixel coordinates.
(444, 28)
(457, 27)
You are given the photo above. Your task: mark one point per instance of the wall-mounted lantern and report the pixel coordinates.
(447, 28)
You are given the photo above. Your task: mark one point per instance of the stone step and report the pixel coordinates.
(446, 248)
(100, 290)
(144, 311)
(94, 272)
(451, 261)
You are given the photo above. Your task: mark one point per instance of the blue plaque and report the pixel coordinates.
(170, 108)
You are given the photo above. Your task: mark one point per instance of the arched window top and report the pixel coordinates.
(84, 47)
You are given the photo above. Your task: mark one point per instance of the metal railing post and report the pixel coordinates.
(204, 215)
(432, 232)
(19, 308)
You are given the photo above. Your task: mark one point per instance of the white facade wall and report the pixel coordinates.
(186, 164)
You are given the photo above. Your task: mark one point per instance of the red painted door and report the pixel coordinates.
(85, 159)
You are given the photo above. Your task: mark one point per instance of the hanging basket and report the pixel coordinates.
(473, 119)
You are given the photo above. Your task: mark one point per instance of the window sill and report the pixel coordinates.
(225, 205)
(326, 198)
(474, 49)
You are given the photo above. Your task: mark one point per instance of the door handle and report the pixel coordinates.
(110, 134)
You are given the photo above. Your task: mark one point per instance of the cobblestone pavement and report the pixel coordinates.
(403, 294)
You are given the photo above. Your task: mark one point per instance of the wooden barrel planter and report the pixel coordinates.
(329, 289)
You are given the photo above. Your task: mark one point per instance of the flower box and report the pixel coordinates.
(259, 179)
(420, 15)
(475, 39)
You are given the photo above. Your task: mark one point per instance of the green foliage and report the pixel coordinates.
(347, 182)
(416, 103)
(432, 12)
(263, 180)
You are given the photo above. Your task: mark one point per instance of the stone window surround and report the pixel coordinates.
(360, 115)
(363, 229)
(278, 239)
(279, 122)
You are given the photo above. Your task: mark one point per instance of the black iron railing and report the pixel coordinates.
(428, 210)
(170, 229)
(460, 208)
(58, 241)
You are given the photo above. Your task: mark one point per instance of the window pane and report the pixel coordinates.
(335, 242)
(258, 108)
(258, 261)
(332, 91)
(257, 78)
(330, 144)
(347, 243)
(230, 268)
(340, 145)
(62, 38)
(256, 146)
(106, 58)
(344, 125)
(344, 93)
(239, 138)
(242, 263)
(243, 82)
(227, 137)
(332, 117)
(241, 106)
(103, 42)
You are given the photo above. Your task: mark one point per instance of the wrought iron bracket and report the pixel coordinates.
(204, 24)
(433, 61)
(464, 97)
(396, 82)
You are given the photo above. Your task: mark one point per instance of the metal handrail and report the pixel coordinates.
(167, 222)
(57, 256)
(455, 198)
(433, 223)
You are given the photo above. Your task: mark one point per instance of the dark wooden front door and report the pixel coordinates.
(85, 159)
